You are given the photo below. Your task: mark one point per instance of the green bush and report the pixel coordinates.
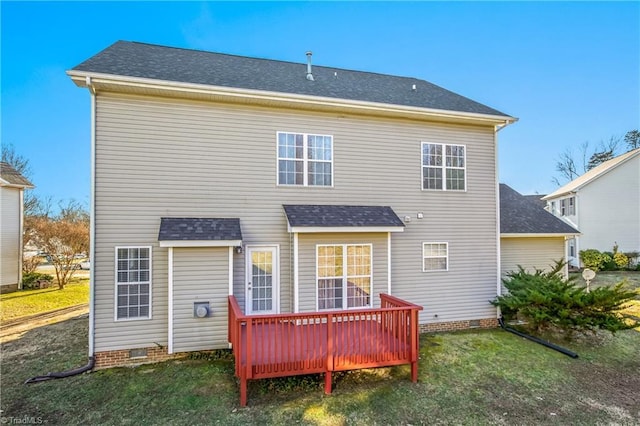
(547, 300)
(621, 260)
(30, 280)
(593, 259)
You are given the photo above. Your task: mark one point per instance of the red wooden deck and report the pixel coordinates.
(323, 342)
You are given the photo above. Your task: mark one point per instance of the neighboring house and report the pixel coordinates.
(530, 236)
(295, 188)
(12, 186)
(604, 204)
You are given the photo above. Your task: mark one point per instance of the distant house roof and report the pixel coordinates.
(9, 176)
(340, 218)
(521, 216)
(593, 174)
(169, 64)
(536, 198)
(200, 232)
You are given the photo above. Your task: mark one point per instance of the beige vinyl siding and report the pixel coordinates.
(531, 253)
(307, 263)
(200, 275)
(160, 157)
(10, 236)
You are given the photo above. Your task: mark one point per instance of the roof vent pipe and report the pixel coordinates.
(309, 74)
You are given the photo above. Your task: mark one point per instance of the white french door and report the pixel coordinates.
(262, 280)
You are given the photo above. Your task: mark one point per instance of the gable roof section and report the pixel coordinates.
(520, 216)
(167, 64)
(199, 232)
(340, 218)
(593, 174)
(9, 176)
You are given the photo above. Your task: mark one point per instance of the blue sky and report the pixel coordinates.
(569, 71)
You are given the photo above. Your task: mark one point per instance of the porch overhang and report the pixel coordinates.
(199, 232)
(305, 218)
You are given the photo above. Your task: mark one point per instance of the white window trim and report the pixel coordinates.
(435, 257)
(344, 258)
(305, 160)
(444, 168)
(115, 279)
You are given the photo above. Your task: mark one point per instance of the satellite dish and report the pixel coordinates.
(588, 275)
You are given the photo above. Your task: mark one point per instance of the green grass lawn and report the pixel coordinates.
(30, 302)
(467, 378)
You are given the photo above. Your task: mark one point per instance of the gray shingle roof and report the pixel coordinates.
(518, 215)
(199, 229)
(12, 177)
(341, 216)
(134, 59)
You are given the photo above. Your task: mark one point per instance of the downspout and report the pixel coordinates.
(92, 223)
(537, 340)
(497, 207)
(92, 232)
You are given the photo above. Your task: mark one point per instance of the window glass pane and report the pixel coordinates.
(358, 290)
(122, 312)
(432, 178)
(455, 179)
(432, 155)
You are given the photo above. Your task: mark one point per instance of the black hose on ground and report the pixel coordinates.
(537, 340)
(63, 374)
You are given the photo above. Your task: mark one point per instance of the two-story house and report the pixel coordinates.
(604, 204)
(293, 187)
(12, 186)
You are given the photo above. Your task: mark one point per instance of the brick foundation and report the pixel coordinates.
(124, 358)
(458, 325)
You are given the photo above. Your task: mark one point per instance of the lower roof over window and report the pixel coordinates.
(341, 218)
(199, 232)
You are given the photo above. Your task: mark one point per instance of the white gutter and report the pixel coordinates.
(533, 235)
(92, 220)
(117, 81)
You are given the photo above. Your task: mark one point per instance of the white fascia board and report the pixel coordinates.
(79, 78)
(531, 235)
(332, 229)
(190, 243)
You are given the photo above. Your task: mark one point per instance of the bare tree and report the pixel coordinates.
(32, 203)
(632, 138)
(590, 157)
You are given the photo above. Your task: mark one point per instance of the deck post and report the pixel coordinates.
(414, 345)
(243, 387)
(329, 360)
(327, 383)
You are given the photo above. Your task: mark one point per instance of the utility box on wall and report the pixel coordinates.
(201, 310)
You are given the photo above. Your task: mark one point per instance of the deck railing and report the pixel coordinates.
(322, 342)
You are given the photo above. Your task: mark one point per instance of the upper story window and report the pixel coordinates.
(443, 167)
(305, 160)
(133, 283)
(568, 206)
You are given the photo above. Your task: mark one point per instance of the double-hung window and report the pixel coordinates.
(435, 257)
(304, 159)
(443, 167)
(343, 276)
(133, 283)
